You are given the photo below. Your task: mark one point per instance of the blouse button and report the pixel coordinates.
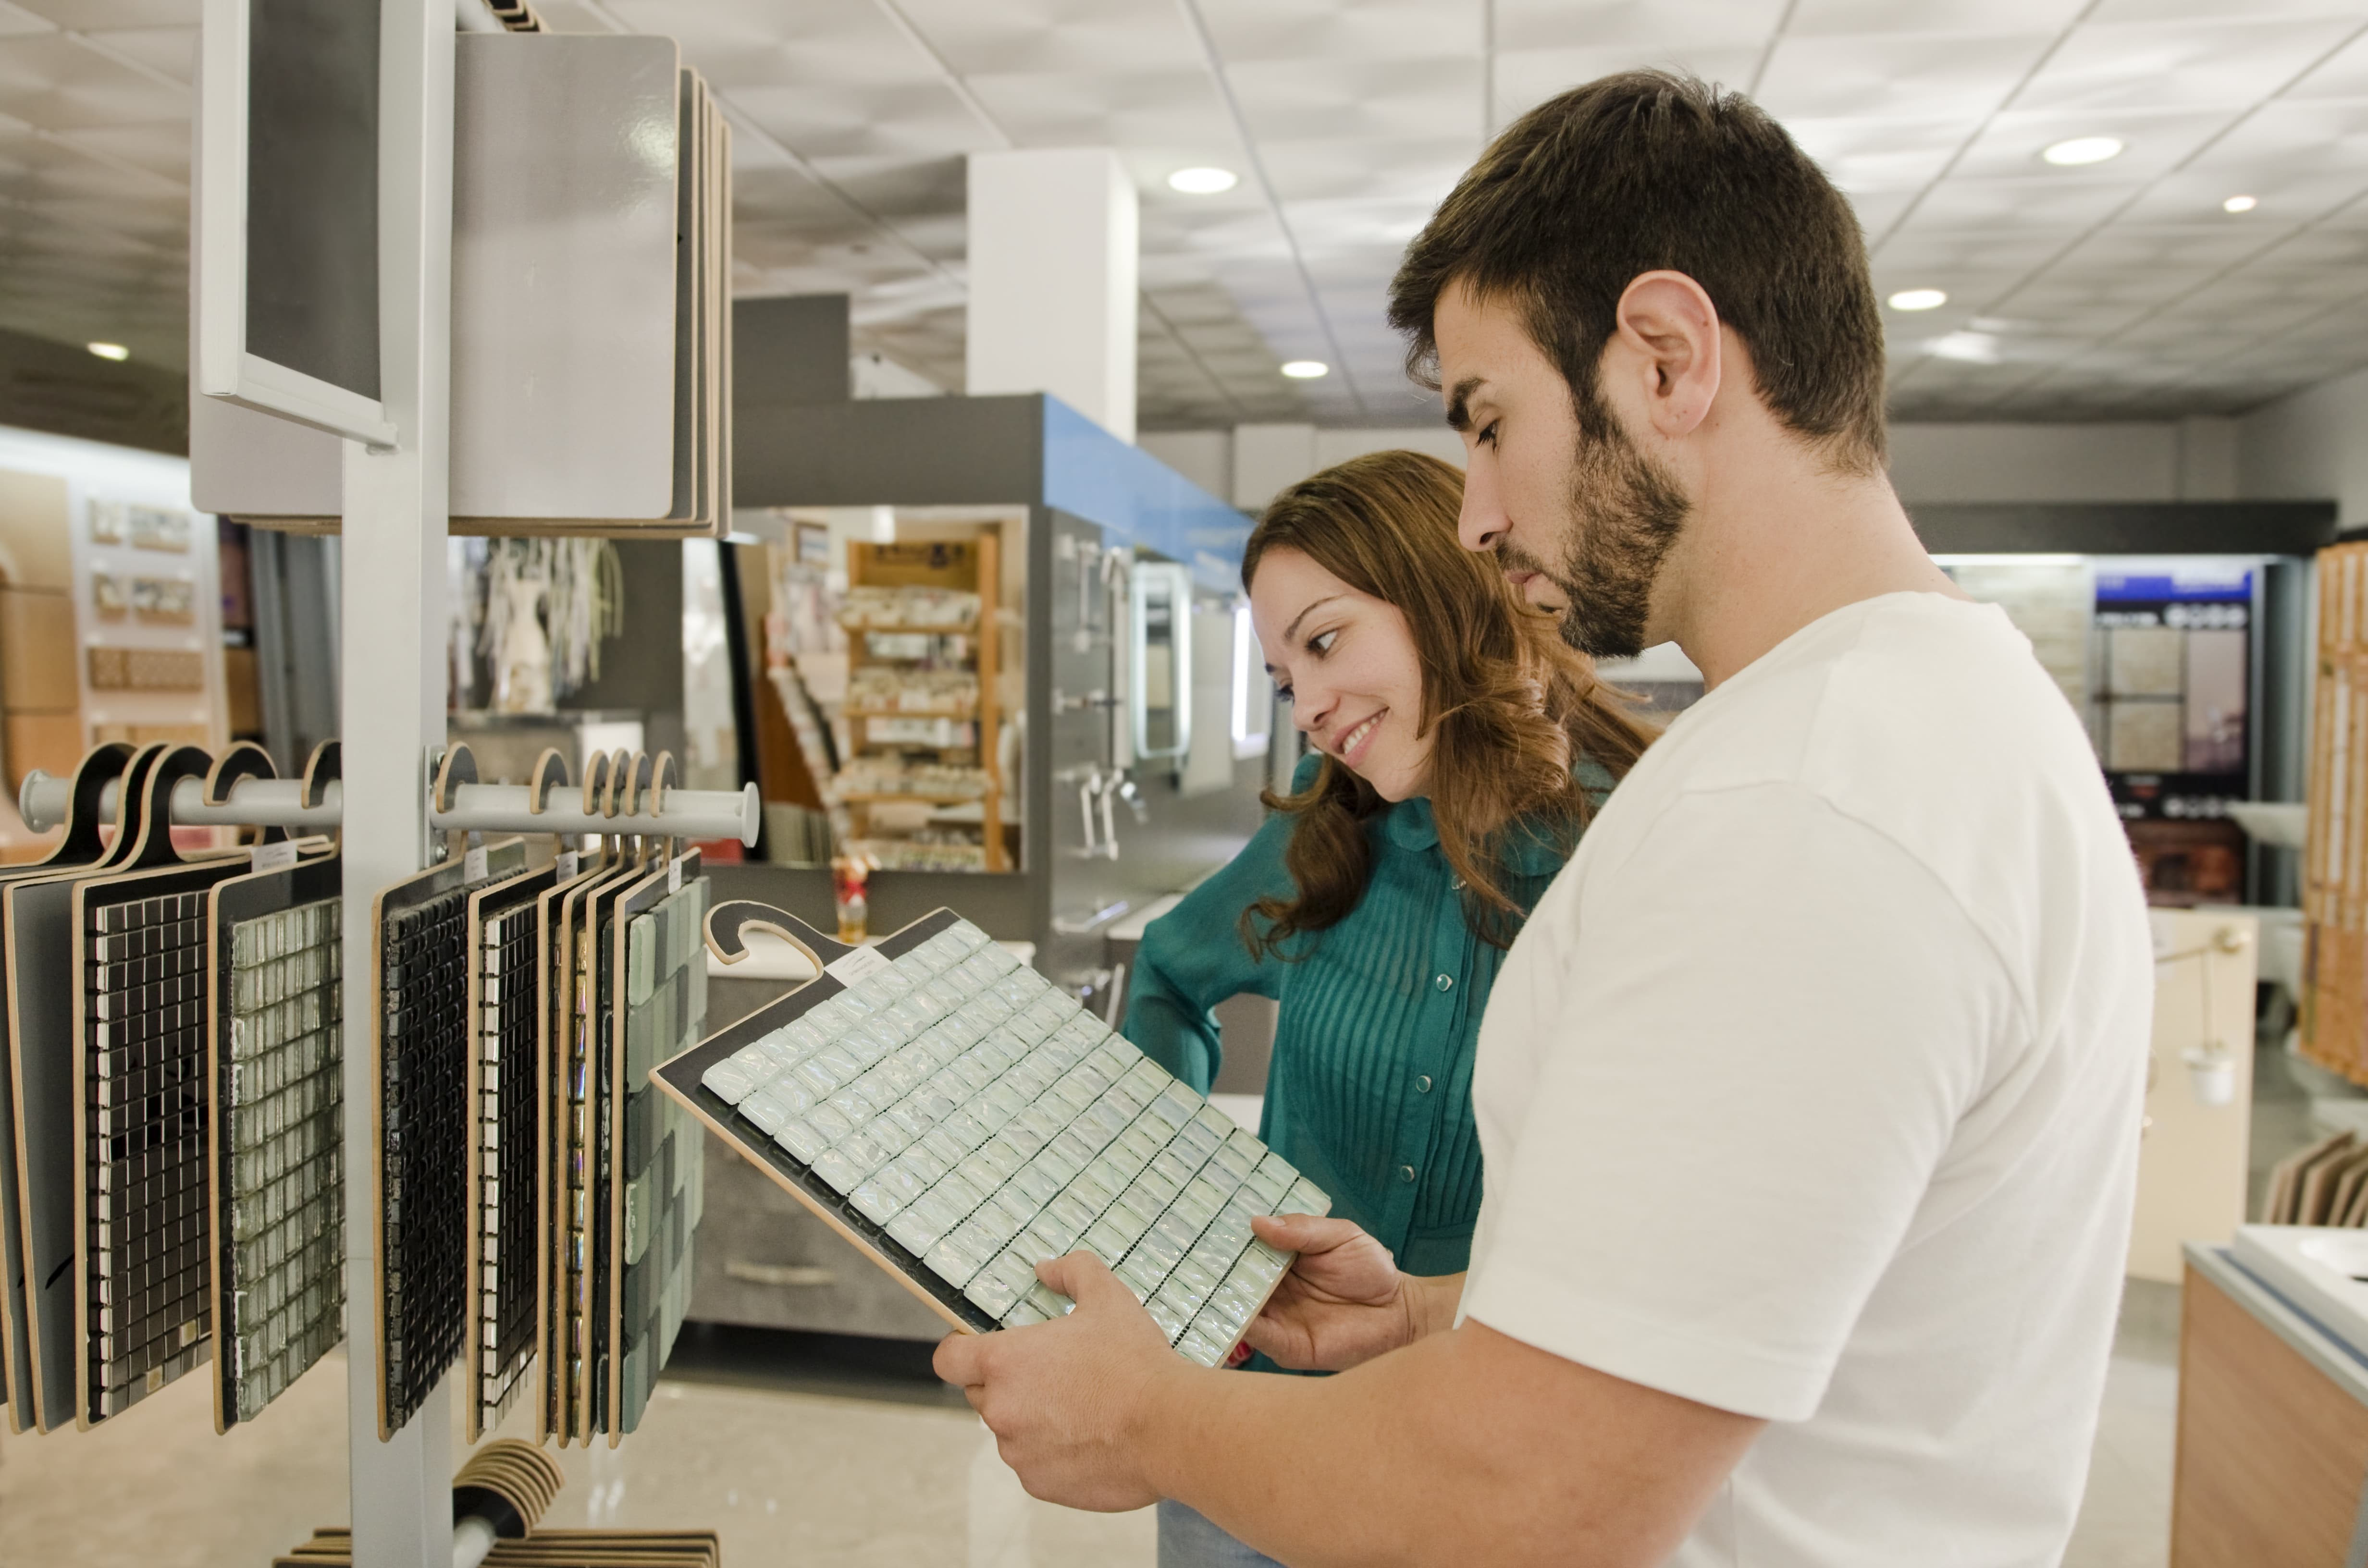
(1445, 982)
(1405, 1173)
(1422, 1084)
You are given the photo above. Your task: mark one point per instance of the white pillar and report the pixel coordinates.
(1268, 457)
(392, 699)
(1053, 279)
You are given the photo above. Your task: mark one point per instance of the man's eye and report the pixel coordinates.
(1487, 436)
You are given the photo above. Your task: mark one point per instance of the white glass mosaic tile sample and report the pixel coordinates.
(984, 1122)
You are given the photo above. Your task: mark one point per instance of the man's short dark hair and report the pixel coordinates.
(1647, 170)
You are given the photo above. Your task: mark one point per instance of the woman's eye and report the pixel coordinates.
(1282, 693)
(1322, 643)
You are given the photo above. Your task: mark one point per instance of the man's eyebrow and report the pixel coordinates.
(1289, 631)
(1459, 416)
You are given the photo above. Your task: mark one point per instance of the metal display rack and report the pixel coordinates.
(395, 795)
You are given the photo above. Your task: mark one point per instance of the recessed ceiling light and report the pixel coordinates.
(1918, 300)
(109, 350)
(1967, 347)
(1305, 370)
(2083, 150)
(2239, 204)
(1204, 182)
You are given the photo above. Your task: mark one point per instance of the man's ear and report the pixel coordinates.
(1665, 346)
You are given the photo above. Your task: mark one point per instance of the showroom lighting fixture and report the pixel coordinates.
(1305, 370)
(2239, 204)
(109, 350)
(1204, 182)
(2083, 150)
(1967, 347)
(1918, 300)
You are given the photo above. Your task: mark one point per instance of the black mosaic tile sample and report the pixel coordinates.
(144, 1062)
(423, 1094)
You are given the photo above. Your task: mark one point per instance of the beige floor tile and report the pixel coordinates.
(786, 1478)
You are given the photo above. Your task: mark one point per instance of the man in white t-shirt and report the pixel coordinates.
(1809, 1095)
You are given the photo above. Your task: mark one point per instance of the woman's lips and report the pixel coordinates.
(1357, 741)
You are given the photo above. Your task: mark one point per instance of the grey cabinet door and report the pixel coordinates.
(764, 1260)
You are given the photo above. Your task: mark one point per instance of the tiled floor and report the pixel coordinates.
(819, 1463)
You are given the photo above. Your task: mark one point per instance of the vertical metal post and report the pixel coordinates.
(392, 704)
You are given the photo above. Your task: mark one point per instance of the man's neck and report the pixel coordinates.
(1775, 543)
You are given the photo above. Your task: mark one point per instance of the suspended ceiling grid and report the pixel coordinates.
(2119, 290)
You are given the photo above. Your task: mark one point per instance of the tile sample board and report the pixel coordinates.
(656, 1151)
(420, 1122)
(565, 955)
(505, 1013)
(143, 1276)
(959, 1118)
(275, 1131)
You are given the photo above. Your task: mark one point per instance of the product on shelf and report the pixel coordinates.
(896, 775)
(913, 609)
(951, 693)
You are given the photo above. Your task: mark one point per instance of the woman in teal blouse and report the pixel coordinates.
(1460, 749)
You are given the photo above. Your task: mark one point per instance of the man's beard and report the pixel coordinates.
(1624, 514)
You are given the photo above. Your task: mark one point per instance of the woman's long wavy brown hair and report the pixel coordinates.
(1509, 707)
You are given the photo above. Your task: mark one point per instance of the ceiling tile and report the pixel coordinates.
(2227, 63)
(1897, 77)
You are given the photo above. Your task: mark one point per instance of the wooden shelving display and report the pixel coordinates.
(947, 637)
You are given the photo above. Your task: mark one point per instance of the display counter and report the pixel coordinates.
(2272, 1428)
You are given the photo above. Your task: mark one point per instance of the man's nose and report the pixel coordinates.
(1482, 524)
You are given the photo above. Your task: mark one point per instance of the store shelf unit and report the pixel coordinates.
(951, 588)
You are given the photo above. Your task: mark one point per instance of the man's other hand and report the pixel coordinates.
(1344, 1301)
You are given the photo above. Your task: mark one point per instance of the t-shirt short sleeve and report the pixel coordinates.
(1738, 1094)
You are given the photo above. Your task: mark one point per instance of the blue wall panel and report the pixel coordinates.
(1092, 474)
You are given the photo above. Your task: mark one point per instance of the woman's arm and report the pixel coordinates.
(1192, 958)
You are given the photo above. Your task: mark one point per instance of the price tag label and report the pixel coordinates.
(274, 856)
(472, 865)
(567, 858)
(674, 873)
(860, 964)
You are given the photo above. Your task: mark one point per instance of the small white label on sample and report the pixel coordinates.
(674, 873)
(472, 865)
(860, 964)
(274, 856)
(567, 864)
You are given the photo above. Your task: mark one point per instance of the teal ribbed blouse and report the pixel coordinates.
(1369, 1089)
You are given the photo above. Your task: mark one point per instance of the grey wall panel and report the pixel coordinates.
(792, 349)
(2132, 527)
(893, 452)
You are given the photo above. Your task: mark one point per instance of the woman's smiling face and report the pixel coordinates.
(1347, 663)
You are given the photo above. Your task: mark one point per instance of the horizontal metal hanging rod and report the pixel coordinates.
(682, 814)
(44, 800)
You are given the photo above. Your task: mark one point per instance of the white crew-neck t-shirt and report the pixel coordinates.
(1812, 1091)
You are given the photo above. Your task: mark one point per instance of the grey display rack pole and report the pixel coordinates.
(44, 800)
(392, 681)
